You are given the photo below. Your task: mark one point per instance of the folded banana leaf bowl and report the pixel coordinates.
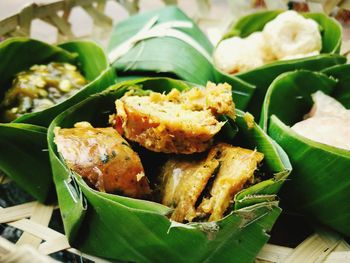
(319, 184)
(118, 227)
(23, 145)
(167, 41)
(261, 77)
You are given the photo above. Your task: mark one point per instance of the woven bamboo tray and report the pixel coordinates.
(33, 218)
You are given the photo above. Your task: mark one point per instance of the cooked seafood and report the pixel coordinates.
(184, 182)
(177, 122)
(40, 87)
(103, 158)
(198, 187)
(288, 36)
(328, 122)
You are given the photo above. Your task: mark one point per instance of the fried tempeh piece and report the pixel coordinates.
(103, 158)
(237, 166)
(177, 122)
(185, 181)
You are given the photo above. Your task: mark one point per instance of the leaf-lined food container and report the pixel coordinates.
(33, 218)
(23, 140)
(23, 158)
(319, 184)
(168, 42)
(261, 77)
(117, 227)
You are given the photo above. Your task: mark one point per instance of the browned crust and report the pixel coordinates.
(185, 182)
(104, 159)
(169, 136)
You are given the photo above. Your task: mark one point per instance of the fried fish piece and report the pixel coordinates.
(177, 122)
(184, 182)
(237, 166)
(103, 158)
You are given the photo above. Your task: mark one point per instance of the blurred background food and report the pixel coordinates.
(213, 16)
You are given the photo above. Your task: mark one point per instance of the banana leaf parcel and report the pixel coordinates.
(24, 156)
(319, 184)
(262, 77)
(168, 42)
(122, 228)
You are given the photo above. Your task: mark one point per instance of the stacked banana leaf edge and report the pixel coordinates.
(159, 51)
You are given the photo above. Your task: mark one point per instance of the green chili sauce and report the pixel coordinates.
(39, 88)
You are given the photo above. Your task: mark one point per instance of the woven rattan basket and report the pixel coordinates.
(33, 218)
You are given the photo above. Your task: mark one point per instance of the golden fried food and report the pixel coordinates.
(237, 166)
(103, 158)
(177, 122)
(185, 182)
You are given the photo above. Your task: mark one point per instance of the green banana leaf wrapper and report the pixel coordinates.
(262, 77)
(169, 55)
(319, 184)
(24, 158)
(342, 74)
(23, 145)
(117, 227)
(174, 56)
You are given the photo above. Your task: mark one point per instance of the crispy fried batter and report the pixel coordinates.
(175, 122)
(103, 158)
(237, 166)
(185, 181)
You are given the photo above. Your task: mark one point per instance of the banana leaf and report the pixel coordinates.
(122, 228)
(319, 184)
(24, 157)
(22, 53)
(175, 57)
(262, 77)
(342, 74)
(169, 55)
